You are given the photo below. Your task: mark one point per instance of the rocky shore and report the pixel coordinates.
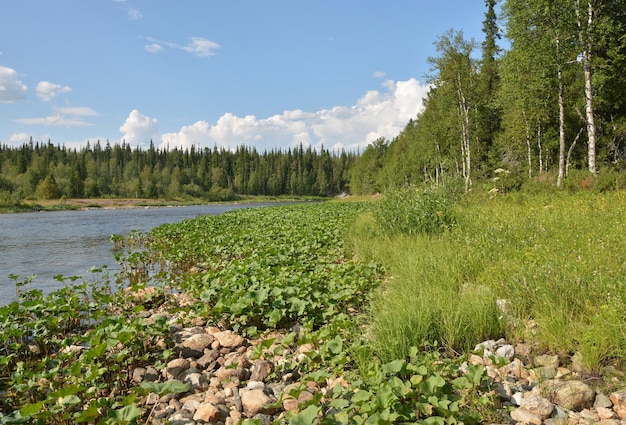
(228, 378)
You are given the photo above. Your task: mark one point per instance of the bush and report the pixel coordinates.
(414, 211)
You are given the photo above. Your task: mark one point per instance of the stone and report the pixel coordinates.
(571, 395)
(152, 375)
(228, 339)
(605, 413)
(618, 399)
(525, 417)
(538, 406)
(195, 345)
(256, 401)
(506, 351)
(261, 369)
(546, 360)
(138, 374)
(503, 391)
(191, 405)
(176, 367)
(523, 351)
(291, 403)
(602, 401)
(196, 380)
(209, 413)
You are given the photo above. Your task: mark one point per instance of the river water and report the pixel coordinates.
(70, 243)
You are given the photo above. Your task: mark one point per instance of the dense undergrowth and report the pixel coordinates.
(453, 272)
(547, 268)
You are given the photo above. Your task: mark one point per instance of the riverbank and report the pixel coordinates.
(119, 203)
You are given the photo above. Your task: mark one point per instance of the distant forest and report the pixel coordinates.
(47, 171)
(549, 110)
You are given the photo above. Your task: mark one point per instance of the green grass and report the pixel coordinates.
(558, 261)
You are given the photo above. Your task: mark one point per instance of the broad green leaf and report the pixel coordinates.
(125, 414)
(168, 387)
(393, 367)
(307, 417)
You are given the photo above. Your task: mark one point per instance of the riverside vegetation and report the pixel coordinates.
(385, 300)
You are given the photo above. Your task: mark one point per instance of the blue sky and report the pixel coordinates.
(269, 74)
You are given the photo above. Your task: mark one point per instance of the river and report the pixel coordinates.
(70, 243)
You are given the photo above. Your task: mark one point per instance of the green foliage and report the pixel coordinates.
(46, 171)
(552, 259)
(414, 210)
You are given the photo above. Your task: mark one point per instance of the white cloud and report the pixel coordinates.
(139, 129)
(153, 48)
(376, 114)
(379, 74)
(198, 46)
(18, 138)
(132, 13)
(68, 116)
(12, 89)
(47, 91)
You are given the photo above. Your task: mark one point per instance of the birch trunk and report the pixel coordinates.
(561, 122)
(585, 43)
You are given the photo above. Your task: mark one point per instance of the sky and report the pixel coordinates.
(268, 74)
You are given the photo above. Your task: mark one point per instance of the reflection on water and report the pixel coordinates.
(70, 243)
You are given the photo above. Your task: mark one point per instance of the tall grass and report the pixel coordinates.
(558, 262)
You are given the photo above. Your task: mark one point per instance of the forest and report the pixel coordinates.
(549, 110)
(46, 171)
(552, 105)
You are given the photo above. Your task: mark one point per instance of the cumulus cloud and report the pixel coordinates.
(139, 129)
(198, 46)
(12, 89)
(47, 91)
(376, 114)
(68, 116)
(379, 74)
(18, 138)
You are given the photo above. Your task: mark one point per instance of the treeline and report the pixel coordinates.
(553, 103)
(47, 171)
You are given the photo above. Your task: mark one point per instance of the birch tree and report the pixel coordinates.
(456, 74)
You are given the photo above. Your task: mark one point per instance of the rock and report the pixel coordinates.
(255, 401)
(605, 413)
(291, 404)
(197, 381)
(176, 367)
(618, 399)
(138, 374)
(228, 339)
(152, 375)
(546, 372)
(602, 401)
(523, 351)
(191, 405)
(538, 406)
(577, 362)
(506, 351)
(261, 369)
(571, 395)
(547, 361)
(195, 345)
(525, 417)
(503, 391)
(208, 412)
